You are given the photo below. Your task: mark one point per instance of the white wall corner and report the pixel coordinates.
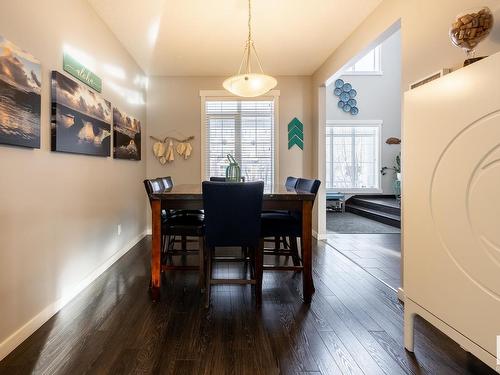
(401, 295)
(319, 236)
(14, 340)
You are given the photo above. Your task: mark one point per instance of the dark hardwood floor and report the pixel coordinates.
(353, 326)
(378, 254)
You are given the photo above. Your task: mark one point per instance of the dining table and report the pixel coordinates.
(190, 197)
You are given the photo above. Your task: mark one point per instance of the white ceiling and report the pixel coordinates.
(206, 37)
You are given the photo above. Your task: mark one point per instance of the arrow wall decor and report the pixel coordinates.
(295, 134)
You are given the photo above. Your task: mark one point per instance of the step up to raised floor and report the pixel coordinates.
(382, 209)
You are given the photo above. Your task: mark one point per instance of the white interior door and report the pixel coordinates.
(451, 166)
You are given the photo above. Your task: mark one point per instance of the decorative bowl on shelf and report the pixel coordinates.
(469, 29)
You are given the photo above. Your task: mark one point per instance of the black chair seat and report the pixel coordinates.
(184, 225)
(281, 224)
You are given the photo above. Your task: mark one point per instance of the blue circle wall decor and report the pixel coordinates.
(339, 83)
(346, 94)
(344, 97)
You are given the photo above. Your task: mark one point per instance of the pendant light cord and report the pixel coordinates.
(249, 47)
(250, 20)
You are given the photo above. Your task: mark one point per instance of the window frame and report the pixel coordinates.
(359, 123)
(225, 95)
(378, 72)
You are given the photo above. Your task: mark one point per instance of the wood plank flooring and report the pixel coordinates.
(353, 326)
(378, 254)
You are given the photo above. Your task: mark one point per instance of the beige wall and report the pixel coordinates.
(426, 48)
(174, 110)
(59, 212)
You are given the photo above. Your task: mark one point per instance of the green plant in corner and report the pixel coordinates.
(396, 168)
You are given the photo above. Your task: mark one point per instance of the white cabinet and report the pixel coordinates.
(451, 216)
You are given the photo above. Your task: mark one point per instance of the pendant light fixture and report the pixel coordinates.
(249, 84)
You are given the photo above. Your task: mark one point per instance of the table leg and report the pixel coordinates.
(156, 249)
(308, 285)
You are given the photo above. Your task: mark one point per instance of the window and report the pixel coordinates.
(368, 64)
(244, 129)
(353, 155)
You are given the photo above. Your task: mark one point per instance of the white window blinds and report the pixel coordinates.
(353, 157)
(244, 129)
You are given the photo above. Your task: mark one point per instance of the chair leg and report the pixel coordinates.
(252, 262)
(295, 251)
(286, 245)
(201, 256)
(259, 260)
(209, 255)
(277, 242)
(184, 243)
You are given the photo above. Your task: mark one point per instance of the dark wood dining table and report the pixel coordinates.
(189, 197)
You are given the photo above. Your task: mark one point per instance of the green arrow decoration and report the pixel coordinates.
(295, 134)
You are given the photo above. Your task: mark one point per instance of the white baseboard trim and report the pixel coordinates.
(14, 340)
(319, 236)
(401, 294)
(149, 232)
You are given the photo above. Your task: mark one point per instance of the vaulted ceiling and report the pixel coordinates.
(206, 37)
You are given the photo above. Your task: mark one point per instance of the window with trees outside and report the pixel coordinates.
(353, 156)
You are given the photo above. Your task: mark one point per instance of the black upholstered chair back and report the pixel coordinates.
(291, 182)
(310, 186)
(147, 186)
(167, 182)
(232, 213)
(218, 179)
(153, 186)
(223, 179)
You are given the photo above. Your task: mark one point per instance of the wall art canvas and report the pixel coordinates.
(126, 136)
(81, 119)
(20, 87)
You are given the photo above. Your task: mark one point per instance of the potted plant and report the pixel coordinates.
(397, 170)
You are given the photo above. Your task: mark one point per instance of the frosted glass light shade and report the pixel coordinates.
(249, 85)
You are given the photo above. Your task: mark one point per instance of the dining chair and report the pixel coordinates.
(223, 179)
(287, 224)
(183, 225)
(290, 183)
(218, 179)
(233, 219)
(168, 184)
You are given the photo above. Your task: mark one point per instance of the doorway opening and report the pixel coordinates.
(362, 159)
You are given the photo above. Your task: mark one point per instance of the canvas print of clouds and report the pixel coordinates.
(81, 119)
(20, 86)
(126, 136)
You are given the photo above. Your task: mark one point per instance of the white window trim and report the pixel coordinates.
(370, 123)
(379, 72)
(223, 94)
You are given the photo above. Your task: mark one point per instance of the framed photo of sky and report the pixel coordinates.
(126, 136)
(20, 100)
(81, 118)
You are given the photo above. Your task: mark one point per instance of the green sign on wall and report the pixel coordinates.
(295, 134)
(80, 72)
